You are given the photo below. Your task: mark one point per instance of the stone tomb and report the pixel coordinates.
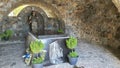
(47, 40)
(49, 31)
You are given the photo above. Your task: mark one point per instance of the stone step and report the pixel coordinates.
(62, 65)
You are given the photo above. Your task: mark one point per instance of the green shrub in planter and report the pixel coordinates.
(38, 60)
(71, 42)
(73, 54)
(36, 46)
(73, 58)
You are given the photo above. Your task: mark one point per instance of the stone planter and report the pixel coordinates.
(37, 65)
(73, 61)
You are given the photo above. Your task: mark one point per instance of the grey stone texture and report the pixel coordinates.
(90, 56)
(11, 56)
(96, 21)
(117, 2)
(95, 56)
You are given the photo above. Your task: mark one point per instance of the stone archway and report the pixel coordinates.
(45, 24)
(48, 9)
(34, 19)
(19, 23)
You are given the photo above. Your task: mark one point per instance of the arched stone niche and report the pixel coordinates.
(31, 22)
(45, 16)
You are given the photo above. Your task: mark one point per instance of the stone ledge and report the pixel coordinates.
(11, 42)
(62, 65)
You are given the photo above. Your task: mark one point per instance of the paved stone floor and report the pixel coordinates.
(90, 56)
(11, 56)
(116, 52)
(94, 56)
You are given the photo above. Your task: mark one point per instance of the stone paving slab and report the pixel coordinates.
(11, 56)
(90, 56)
(63, 65)
(11, 42)
(94, 56)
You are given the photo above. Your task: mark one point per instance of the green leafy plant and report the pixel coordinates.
(73, 54)
(8, 33)
(38, 60)
(60, 31)
(2, 35)
(36, 46)
(71, 42)
(37, 49)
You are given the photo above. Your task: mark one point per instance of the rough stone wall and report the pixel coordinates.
(19, 24)
(5, 6)
(96, 21)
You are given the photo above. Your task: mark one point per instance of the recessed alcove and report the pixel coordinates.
(33, 22)
(30, 21)
(95, 23)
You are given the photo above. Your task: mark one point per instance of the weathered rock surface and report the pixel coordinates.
(117, 4)
(96, 21)
(11, 56)
(93, 20)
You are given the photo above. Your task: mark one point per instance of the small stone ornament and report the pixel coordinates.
(55, 53)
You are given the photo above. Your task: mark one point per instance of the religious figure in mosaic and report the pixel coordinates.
(35, 22)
